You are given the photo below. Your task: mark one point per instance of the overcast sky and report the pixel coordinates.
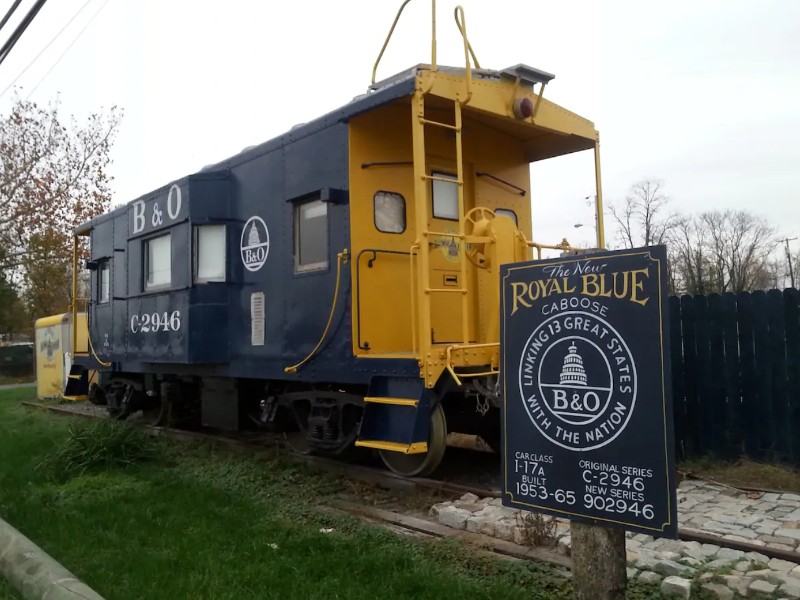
(702, 94)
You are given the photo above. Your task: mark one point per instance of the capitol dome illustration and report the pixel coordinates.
(252, 238)
(573, 373)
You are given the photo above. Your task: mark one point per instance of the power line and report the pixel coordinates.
(9, 13)
(26, 21)
(50, 43)
(67, 49)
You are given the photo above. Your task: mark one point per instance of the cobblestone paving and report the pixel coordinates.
(767, 520)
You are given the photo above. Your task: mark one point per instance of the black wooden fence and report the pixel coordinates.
(736, 375)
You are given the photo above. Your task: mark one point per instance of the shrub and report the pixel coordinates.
(101, 445)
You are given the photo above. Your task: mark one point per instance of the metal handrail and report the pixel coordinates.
(391, 31)
(564, 245)
(456, 347)
(462, 28)
(463, 31)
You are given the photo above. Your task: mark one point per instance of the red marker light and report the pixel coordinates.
(523, 108)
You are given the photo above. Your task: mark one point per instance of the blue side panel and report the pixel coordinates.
(266, 315)
(259, 190)
(158, 332)
(316, 162)
(102, 317)
(119, 291)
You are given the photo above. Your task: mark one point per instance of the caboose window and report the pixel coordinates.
(311, 236)
(210, 253)
(104, 282)
(158, 262)
(506, 212)
(390, 212)
(445, 197)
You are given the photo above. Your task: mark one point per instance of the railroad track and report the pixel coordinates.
(388, 480)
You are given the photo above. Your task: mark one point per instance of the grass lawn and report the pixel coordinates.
(15, 379)
(7, 592)
(197, 522)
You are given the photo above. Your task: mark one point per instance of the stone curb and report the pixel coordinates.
(34, 573)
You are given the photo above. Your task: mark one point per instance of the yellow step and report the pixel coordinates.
(80, 398)
(415, 448)
(395, 401)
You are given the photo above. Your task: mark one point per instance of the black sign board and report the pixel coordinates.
(587, 423)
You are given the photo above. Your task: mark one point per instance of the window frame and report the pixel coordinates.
(104, 267)
(196, 254)
(433, 195)
(146, 286)
(405, 211)
(301, 269)
(505, 213)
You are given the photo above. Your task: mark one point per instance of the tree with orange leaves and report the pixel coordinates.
(53, 176)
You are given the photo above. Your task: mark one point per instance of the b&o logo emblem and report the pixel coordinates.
(50, 344)
(254, 244)
(577, 379)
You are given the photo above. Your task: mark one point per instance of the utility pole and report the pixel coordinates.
(789, 259)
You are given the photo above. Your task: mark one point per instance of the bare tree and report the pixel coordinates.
(690, 266)
(740, 244)
(642, 220)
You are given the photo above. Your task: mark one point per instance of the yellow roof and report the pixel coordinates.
(52, 320)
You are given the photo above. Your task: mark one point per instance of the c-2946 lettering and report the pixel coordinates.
(156, 321)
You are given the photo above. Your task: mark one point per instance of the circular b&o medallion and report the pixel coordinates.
(577, 380)
(254, 243)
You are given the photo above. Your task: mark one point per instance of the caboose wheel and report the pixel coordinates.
(419, 465)
(297, 438)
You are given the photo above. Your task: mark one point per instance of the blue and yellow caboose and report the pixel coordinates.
(341, 280)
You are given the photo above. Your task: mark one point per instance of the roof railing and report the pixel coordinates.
(458, 14)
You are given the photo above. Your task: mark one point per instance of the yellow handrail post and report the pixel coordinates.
(391, 31)
(463, 30)
(74, 293)
(388, 37)
(465, 316)
(341, 258)
(598, 199)
(433, 35)
(421, 215)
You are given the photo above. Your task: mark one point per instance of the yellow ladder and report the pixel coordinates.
(422, 194)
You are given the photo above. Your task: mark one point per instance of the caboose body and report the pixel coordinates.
(341, 280)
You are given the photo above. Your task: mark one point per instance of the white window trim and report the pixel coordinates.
(317, 266)
(375, 211)
(434, 182)
(105, 266)
(146, 264)
(218, 279)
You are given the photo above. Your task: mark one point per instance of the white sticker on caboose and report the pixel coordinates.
(257, 319)
(254, 244)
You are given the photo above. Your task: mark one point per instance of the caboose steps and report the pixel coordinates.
(398, 425)
(396, 401)
(77, 388)
(416, 448)
(397, 422)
